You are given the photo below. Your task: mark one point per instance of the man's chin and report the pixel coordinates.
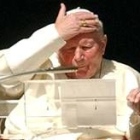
(81, 75)
(77, 75)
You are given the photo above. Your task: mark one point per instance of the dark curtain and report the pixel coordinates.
(20, 18)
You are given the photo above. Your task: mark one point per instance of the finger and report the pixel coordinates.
(85, 15)
(92, 23)
(88, 29)
(137, 98)
(136, 108)
(62, 11)
(139, 109)
(132, 95)
(90, 16)
(134, 99)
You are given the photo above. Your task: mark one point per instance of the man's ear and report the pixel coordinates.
(103, 44)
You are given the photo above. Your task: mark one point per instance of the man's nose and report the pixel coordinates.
(79, 55)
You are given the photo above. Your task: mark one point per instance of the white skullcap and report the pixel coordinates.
(78, 9)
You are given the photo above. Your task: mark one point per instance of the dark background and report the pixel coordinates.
(20, 18)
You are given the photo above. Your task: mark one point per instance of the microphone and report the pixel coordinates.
(61, 69)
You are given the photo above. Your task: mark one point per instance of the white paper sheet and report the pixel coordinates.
(88, 102)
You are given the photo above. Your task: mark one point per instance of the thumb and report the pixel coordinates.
(62, 11)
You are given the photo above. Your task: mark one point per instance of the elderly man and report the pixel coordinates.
(79, 40)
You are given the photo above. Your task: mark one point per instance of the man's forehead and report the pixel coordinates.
(79, 40)
(83, 36)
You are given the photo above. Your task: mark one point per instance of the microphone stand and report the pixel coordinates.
(68, 69)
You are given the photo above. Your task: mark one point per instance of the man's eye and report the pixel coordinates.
(86, 48)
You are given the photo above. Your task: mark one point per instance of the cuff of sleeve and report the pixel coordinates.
(134, 119)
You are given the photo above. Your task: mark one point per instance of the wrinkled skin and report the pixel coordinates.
(84, 51)
(133, 99)
(69, 25)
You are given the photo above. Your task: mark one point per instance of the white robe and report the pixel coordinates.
(35, 51)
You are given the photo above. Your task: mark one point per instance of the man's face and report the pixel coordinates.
(84, 51)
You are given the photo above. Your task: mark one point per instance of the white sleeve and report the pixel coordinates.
(29, 54)
(134, 126)
(26, 55)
